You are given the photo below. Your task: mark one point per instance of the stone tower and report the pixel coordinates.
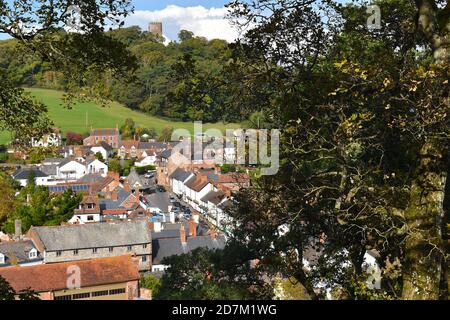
(156, 28)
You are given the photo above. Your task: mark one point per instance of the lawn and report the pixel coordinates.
(86, 115)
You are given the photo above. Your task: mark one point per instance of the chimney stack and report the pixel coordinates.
(192, 228)
(18, 228)
(183, 235)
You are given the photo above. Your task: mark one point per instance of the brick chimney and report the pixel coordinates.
(114, 175)
(192, 228)
(126, 185)
(183, 235)
(18, 229)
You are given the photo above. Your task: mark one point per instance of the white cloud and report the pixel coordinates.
(209, 23)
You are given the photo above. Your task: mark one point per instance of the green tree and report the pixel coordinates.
(209, 275)
(114, 165)
(99, 156)
(185, 35)
(84, 57)
(363, 116)
(166, 134)
(151, 283)
(40, 208)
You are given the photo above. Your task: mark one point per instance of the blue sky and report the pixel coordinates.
(204, 17)
(161, 4)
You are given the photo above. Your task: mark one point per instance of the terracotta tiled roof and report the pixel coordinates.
(94, 272)
(113, 212)
(197, 183)
(104, 132)
(233, 178)
(129, 143)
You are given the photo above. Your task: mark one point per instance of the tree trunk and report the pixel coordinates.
(422, 270)
(424, 216)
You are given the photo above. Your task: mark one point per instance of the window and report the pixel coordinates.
(144, 246)
(90, 218)
(81, 296)
(68, 297)
(100, 293)
(129, 248)
(144, 258)
(75, 252)
(91, 206)
(94, 250)
(32, 254)
(117, 291)
(58, 253)
(111, 249)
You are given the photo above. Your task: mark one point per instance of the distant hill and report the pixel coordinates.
(84, 115)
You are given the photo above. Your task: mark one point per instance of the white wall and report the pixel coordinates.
(84, 218)
(71, 171)
(97, 166)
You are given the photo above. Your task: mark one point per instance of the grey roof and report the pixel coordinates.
(214, 197)
(19, 251)
(152, 145)
(166, 234)
(166, 154)
(23, 174)
(206, 242)
(180, 175)
(163, 248)
(49, 169)
(134, 178)
(159, 200)
(106, 146)
(92, 178)
(95, 235)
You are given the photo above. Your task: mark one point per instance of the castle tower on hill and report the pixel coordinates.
(156, 28)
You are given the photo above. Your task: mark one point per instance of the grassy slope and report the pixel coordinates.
(99, 117)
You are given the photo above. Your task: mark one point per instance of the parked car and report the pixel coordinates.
(149, 175)
(161, 189)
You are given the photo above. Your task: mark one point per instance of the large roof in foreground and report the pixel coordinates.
(94, 272)
(95, 235)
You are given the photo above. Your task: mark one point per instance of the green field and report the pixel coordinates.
(84, 115)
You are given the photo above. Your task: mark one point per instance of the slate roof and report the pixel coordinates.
(49, 169)
(23, 174)
(214, 197)
(95, 235)
(18, 250)
(134, 178)
(105, 146)
(158, 200)
(92, 178)
(163, 248)
(52, 277)
(153, 145)
(180, 175)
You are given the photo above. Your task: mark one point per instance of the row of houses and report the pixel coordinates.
(208, 192)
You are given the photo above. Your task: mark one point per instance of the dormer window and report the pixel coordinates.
(2, 258)
(32, 254)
